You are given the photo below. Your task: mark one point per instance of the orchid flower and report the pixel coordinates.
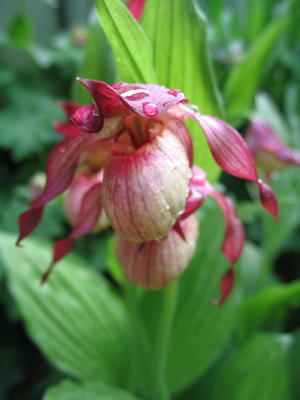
(268, 150)
(147, 173)
(160, 262)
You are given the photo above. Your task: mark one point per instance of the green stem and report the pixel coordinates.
(160, 389)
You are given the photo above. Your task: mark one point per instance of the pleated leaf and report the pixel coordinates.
(67, 390)
(75, 319)
(177, 32)
(256, 371)
(268, 307)
(200, 330)
(98, 63)
(128, 41)
(244, 79)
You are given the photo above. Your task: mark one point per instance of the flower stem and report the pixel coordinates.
(160, 389)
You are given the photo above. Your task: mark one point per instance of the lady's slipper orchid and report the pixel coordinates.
(160, 262)
(147, 191)
(268, 150)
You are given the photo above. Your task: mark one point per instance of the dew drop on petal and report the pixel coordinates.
(166, 104)
(176, 93)
(194, 107)
(134, 94)
(150, 109)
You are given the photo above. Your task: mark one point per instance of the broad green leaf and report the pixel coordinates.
(98, 62)
(294, 365)
(75, 319)
(244, 78)
(267, 308)
(21, 30)
(67, 390)
(177, 32)
(200, 330)
(255, 371)
(128, 41)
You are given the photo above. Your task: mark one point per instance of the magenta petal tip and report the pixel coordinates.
(268, 199)
(226, 286)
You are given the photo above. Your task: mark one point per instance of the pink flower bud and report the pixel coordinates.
(159, 262)
(269, 152)
(145, 191)
(73, 200)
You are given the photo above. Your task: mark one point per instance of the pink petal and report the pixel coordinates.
(89, 213)
(234, 239)
(228, 148)
(67, 128)
(226, 286)
(197, 192)
(136, 8)
(61, 167)
(88, 119)
(60, 250)
(28, 221)
(268, 199)
(149, 101)
(90, 209)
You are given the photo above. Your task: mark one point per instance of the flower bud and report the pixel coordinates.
(145, 191)
(159, 262)
(72, 203)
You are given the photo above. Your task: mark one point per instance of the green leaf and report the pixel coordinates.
(200, 330)
(98, 62)
(128, 41)
(177, 32)
(21, 30)
(294, 365)
(244, 78)
(256, 371)
(67, 390)
(267, 308)
(75, 319)
(26, 125)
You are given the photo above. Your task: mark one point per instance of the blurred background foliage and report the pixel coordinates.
(254, 48)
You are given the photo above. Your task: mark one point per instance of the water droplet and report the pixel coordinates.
(168, 207)
(176, 93)
(166, 104)
(275, 175)
(150, 109)
(96, 113)
(194, 107)
(134, 94)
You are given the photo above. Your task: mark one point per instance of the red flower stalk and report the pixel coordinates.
(269, 152)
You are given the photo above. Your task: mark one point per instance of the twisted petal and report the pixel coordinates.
(148, 101)
(60, 170)
(228, 148)
(231, 153)
(67, 128)
(268, 199)
(234, 239)
(90, 209)
(226, 286)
